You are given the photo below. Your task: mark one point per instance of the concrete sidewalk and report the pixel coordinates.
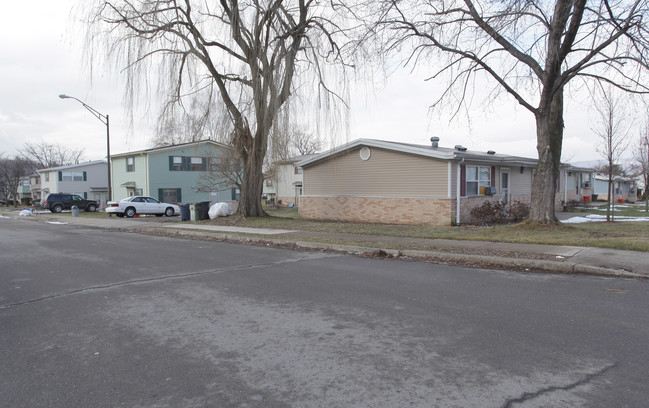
(524, 257)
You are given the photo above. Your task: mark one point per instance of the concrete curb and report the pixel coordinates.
(523, 264)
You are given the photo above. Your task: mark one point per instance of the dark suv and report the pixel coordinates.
(59, 202)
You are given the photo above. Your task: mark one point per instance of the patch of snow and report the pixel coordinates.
(56, 222)
(599, 218)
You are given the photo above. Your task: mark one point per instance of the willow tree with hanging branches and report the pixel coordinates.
(246, 53)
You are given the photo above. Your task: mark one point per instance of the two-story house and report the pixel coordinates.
(35, 187)
(188, 172)
(285, 183)
(89, 180)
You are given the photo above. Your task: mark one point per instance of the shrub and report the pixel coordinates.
(497, 212)
(489, 212)
(519, 211)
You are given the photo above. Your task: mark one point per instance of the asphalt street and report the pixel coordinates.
(96, 318)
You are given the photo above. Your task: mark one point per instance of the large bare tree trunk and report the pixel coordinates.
(549, 136)
(252, 152)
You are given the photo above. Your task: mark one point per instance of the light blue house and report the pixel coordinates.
(183, 173)
(623, 188)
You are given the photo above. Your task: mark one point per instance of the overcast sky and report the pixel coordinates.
(41, 57)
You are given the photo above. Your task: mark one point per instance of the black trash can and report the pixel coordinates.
(184, 212)
(203, 210)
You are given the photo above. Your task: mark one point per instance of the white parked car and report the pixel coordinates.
(131, 206)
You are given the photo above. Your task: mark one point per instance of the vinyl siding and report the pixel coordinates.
(520, 184)
(121, 176)
(160, 177)
(384, 174)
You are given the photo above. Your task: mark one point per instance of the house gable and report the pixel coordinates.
(377, 173)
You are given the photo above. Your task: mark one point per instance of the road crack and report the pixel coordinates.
(162, 278)
(530, 395)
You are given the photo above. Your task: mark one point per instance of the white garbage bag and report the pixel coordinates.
(26, 212)
(219, 210)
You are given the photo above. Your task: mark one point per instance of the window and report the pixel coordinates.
(72, 176)
(477, 179)
(176, 163)
(169, 195)
(130, 164)
(187, 163)
(297, 170)
(215, 163)
(269, 183)
(47, 176)
(197, 164)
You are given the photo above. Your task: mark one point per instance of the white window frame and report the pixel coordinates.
(474, 179)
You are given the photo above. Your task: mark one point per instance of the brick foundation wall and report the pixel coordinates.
(415, 211)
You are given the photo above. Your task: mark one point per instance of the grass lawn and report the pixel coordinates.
(617, 235)
(626, 210)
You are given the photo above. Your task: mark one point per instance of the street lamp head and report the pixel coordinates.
(64, 96)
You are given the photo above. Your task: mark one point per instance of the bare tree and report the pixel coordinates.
(304, 142)
(199, 118)
(613, 131)
(531, 49)
(641, 162)
(223, 171)
(11, 171)
(48, 155)
(246, 52)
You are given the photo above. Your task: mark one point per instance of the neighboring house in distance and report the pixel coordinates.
(286, 181)
(24, 191)
(172, 174)
(371, 180)
(89, 180)
(623, 188)
(576, 183)
(269, 191)
(35, 187)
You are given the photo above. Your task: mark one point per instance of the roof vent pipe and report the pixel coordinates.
(434, 141)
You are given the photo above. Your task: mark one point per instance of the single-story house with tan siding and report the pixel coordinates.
(371, 180)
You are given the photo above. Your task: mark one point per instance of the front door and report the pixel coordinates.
(504, 184)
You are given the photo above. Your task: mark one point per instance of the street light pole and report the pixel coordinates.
(105, 120)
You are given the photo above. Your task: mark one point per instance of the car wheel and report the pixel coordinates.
(91, 208)
(130, 212)
(169, 212)
(57, 208)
